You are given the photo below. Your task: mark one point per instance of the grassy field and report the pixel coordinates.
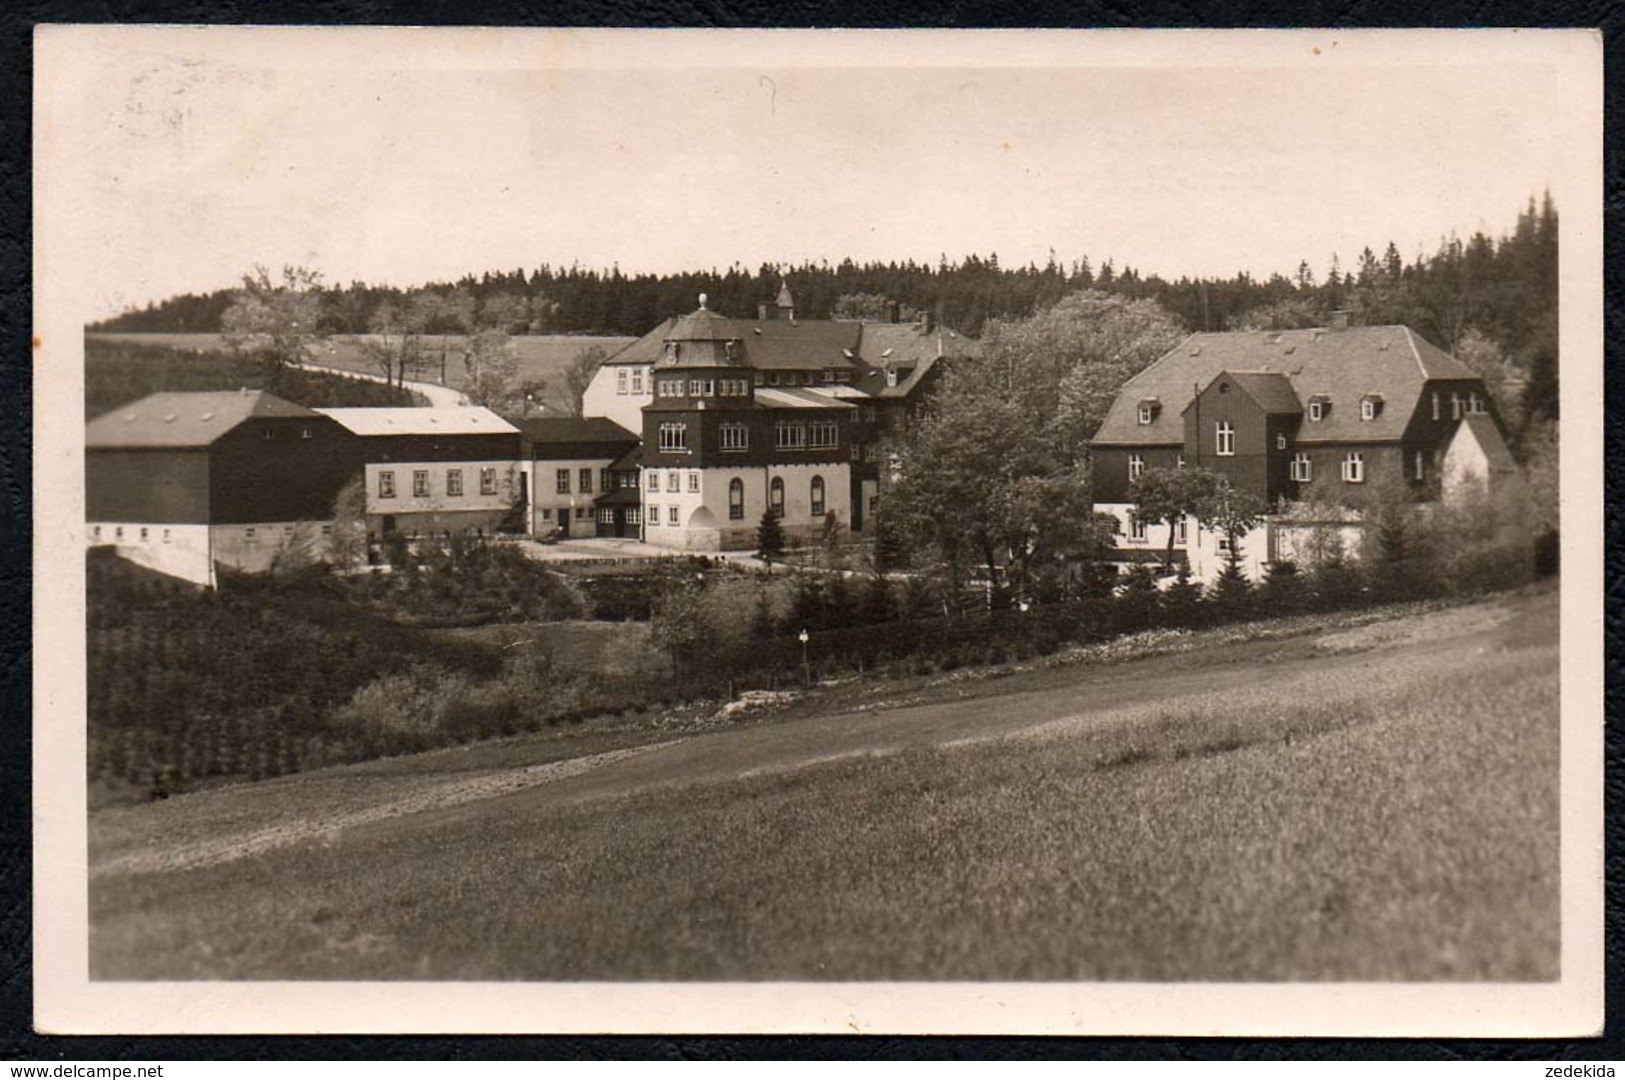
(540, 356)
(1366, 800)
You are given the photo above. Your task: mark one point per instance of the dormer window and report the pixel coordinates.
(1370, 406)
(671, 352)
(728, 350)
(1147, 410)
(1319, 406)
(1475, 404)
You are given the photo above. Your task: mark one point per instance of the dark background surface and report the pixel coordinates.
(17, 1042)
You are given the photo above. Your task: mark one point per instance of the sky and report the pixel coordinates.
(190, 156)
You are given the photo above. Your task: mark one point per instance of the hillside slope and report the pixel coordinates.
(1379, 802)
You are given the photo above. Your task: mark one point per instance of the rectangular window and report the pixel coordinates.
(606, 480)
(674, 438)
(1224, 543)
(327, 530)
(1317, 409)
(561, 481)
(654, 514)
(772, 378)
(671, 515)
(694, 481)
(1301, 468)
(1435, 404)
(1455, 405)
(454, 481)
(420, 483)
(735, 436)
(824, 434)
(582, 513)
(1476, 405)
(1136, 466)
(304, 433)
(250, 537)
(654, 480)
(1280, 441)
(1143, 414)
(547, 513)
(1421, 466)
(386, 484)
(96, 532)
(586, 481)
(634, 516)
(1136, 529)
(1182, 533)
(143, 534)
(488, 481)
(637, 380)
(867, 414)
(789, 436)
(674, 480)
(606, 516)
(1225, 436)
(620, 381)
(1368, 409)
(1354, 468)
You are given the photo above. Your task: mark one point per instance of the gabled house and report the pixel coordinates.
(183, 482)
(569, 468)
(1320, 415)
(435, 472)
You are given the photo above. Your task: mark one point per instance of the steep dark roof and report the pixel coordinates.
(562, 438)
(1342, 365)
(646, 349)
(702, 325)
(1496, 454)
(620, 496)
(1270, 389)
(632, 459)
(185, 419)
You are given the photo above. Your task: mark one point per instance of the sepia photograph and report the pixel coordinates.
(1028, 532)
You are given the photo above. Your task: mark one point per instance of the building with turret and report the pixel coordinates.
(781, 413)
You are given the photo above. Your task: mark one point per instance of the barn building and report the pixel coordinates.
(188, 482)
(438, 471)
(1317, 416)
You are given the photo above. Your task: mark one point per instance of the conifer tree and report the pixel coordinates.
(769, 538)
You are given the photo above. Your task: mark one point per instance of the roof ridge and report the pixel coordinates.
(1416, 354)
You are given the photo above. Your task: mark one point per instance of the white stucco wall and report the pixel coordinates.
(702, 516)
(177, 550)
(190, 552)
(606, 397)
(437, 501)
(1156, 533)
(547, 502)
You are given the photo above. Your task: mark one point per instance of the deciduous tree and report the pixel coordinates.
(281, 318)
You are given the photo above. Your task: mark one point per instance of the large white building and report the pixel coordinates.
(742, 416)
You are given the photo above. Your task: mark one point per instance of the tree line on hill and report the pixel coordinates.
(1504, 287)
